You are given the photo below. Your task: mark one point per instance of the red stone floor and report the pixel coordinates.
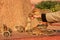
(25, 36)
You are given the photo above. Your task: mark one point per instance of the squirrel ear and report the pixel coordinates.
(5, 27)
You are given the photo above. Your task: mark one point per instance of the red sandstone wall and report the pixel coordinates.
(36, 1)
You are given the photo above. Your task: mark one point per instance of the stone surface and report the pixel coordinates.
(14, 12)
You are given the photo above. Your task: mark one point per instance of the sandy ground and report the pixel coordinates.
(26, 36)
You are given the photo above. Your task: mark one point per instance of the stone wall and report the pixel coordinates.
(36, 1)
(14, 12)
